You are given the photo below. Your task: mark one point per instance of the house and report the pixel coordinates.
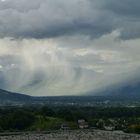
(83, 124)
(65, 127)
(109, 125)
(109, 128)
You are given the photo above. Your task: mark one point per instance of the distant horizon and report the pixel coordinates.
(79, 96)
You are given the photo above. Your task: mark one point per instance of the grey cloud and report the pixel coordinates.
(67, 47)
(126, 16)
(8, 60)
(3, 83)
(51, 18)
(22, 6)
(125, 8)
(46, 67)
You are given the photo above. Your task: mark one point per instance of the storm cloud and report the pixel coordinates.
(59, 47)
(51, 18)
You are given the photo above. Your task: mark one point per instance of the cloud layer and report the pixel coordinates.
(51, 18)
(52, 67)
(59, 47)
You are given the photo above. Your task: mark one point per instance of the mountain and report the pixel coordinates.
(127, 90)
(6, 96)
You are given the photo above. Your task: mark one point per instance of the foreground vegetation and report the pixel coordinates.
(51, 118)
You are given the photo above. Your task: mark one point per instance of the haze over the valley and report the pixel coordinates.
(59, 47)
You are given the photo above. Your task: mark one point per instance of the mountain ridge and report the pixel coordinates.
(12, 96)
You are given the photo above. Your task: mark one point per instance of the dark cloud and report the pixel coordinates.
(127, 16)
(8, 60)
(51, 18)
(53, 67)
(125, 8)
(67, 47)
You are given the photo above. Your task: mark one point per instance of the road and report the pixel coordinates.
(70, 135)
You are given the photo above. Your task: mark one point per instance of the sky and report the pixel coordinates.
(68, 47)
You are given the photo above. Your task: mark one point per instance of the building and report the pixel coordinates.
(109, 128)
(83, 124)
(65, 127)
